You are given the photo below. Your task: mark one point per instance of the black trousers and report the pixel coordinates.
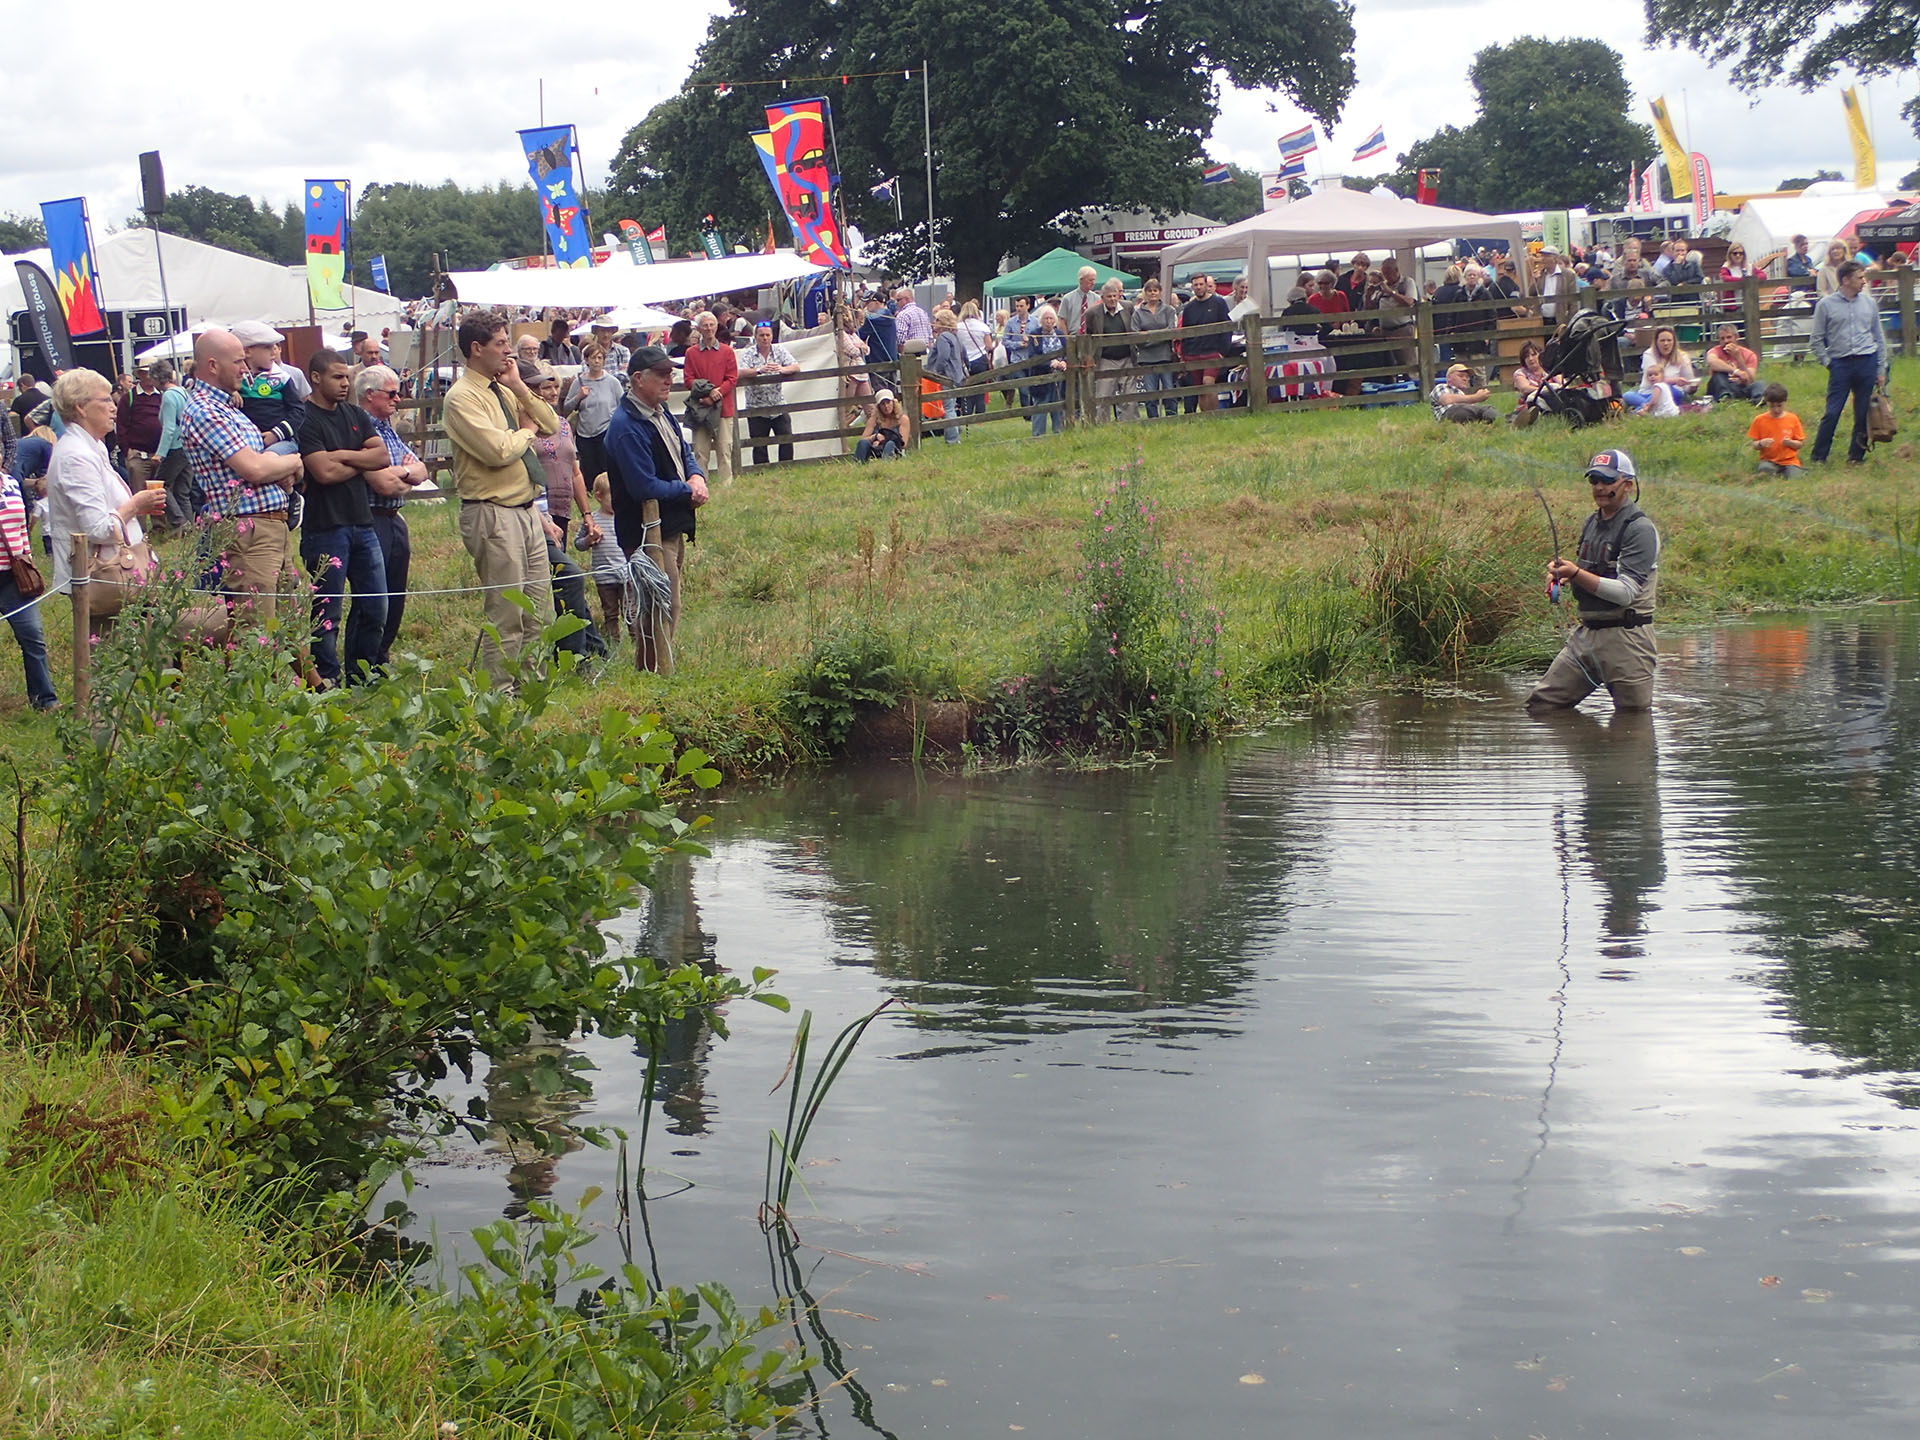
(570, 595)
(390, 529)
(761, 427)
(592, 450)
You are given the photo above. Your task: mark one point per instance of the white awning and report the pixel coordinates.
(619, 283)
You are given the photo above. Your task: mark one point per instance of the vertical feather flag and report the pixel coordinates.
(1864, 170)
(327, 243)
(1701, 174)
(1679, 173)
(550, 154)
(43, 308)
(797, 131)
(635, 235)
(75, 277)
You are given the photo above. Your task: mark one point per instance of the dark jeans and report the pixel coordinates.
(760, 427)
(570, 597)
(1847, 375)
(592, 450)
(883, 445)
(336, 558)
(33, 642)
(182, 502)
(1722, 386)
(396, 548)
(975, 404)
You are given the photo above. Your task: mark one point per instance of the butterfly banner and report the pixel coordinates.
(797, 134)
(550, 155)
(75, 277)
(326, 207)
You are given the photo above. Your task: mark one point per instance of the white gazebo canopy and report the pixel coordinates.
(621, 282)
(1339, 222)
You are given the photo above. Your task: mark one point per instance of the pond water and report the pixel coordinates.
(1433, 1070)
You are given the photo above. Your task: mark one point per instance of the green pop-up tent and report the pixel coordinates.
(1054, 273)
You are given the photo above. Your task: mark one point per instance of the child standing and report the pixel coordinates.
(609, 562)
(1777, 434)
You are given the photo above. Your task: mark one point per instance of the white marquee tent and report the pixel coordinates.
(214, 286)
(1766, 224)
(1338, 222)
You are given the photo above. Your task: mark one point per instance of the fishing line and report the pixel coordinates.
(1559, 1001)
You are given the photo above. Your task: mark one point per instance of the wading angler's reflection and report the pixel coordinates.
(1615, 832)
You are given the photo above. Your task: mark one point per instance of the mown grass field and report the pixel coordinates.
(964, 553)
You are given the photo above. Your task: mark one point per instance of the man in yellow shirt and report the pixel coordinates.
(491, 419)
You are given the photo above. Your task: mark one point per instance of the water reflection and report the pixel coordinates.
(1615, 831)
(671, 933)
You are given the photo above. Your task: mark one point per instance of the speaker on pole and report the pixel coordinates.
(153, 184)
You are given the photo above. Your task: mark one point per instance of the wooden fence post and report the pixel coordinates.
(1080, 381)
(1256, 363)
(1750, 303)
(910, 397)
(654, 644)
(82, 604)
(1423, 342)
(1908, 345)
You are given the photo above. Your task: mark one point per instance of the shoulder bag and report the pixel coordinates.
(1881, 426)
(115, 574)
(27, 578)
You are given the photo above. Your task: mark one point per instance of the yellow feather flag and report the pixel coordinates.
(1863, 169)
(1679, 171)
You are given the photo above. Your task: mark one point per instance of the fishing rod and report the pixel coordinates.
(1553, 586)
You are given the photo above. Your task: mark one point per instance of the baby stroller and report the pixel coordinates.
(1583, 373)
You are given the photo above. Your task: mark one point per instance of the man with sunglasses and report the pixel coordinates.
(376, 390)
(1613, 582)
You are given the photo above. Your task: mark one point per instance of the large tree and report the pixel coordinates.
(1552, 132)
(20, 232)
(409, 224)
(1038, 110)
(1803, 41)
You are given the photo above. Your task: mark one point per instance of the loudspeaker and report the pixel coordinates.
(153, 184)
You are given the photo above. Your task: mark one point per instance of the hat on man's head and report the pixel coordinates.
(253, 332)
(1611, 465)
(532, 372)
(649, 357)
(1549, 249)
(601, 322)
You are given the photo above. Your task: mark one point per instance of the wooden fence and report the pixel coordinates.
(1775, 318)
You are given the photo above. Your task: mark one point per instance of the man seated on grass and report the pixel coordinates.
(1454, 400)
(1733, 370)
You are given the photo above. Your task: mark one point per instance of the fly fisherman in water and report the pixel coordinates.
(1613, 584)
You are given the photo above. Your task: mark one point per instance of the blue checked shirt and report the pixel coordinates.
(398, 454)
(214, 430)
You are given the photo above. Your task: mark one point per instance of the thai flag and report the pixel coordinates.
(884, 190)
(1298, 142)
(1292, 166)
(1374, 144)
(1216, 175)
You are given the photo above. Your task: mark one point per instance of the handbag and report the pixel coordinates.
(113, 579)
(27, 578)
(1881, 426)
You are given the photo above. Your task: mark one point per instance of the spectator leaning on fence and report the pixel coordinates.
(85, 494)
(1110, 322)
(763, 367)
(242, 482)
(1151, 313)
(1075, 304)
(491, 419)
(712, 359)
(376, 390)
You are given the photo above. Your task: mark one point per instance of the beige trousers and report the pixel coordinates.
(509, 551)
(254, 559)
(1622, 660)
(714, 450)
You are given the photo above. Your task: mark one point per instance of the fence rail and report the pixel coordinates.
(1774, 318)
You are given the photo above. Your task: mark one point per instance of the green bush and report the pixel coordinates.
(853, 668)
(1434, 599)
(313, 905)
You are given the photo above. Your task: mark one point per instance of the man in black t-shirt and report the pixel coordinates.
(1206, 308)
(337, 540)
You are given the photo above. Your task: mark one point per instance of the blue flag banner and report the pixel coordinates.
(75, 276)
(550, 154)
(378, 265)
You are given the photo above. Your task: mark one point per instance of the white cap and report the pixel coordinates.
(253, 332)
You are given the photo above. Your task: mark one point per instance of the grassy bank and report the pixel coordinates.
(963, 555)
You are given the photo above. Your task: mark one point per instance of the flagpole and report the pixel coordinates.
(346, 263)
(926, 115)
(100, 297)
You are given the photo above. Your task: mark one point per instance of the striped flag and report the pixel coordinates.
(1292, 166)
(1374, 144)
(1216, 175)
(1298, 142)
(884, 190)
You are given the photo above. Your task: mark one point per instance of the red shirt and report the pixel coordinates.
(719, 365)
(1329, 302)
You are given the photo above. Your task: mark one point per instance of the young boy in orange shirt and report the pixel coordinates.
(1777, 434)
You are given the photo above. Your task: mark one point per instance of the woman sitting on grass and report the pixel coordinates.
(882, 436)
(1529, 375)
(1666, 377)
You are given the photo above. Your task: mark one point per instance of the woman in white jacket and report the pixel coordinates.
(85, 495)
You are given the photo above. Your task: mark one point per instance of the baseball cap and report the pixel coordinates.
(649, 357)
(880, 395)
(1611, 465)
(253, 332)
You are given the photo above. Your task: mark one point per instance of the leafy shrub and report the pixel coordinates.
(620, 1360)
(855, 667)
(1315, 639)
(315, 904)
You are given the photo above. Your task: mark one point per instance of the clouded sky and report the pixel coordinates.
(410, 93)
